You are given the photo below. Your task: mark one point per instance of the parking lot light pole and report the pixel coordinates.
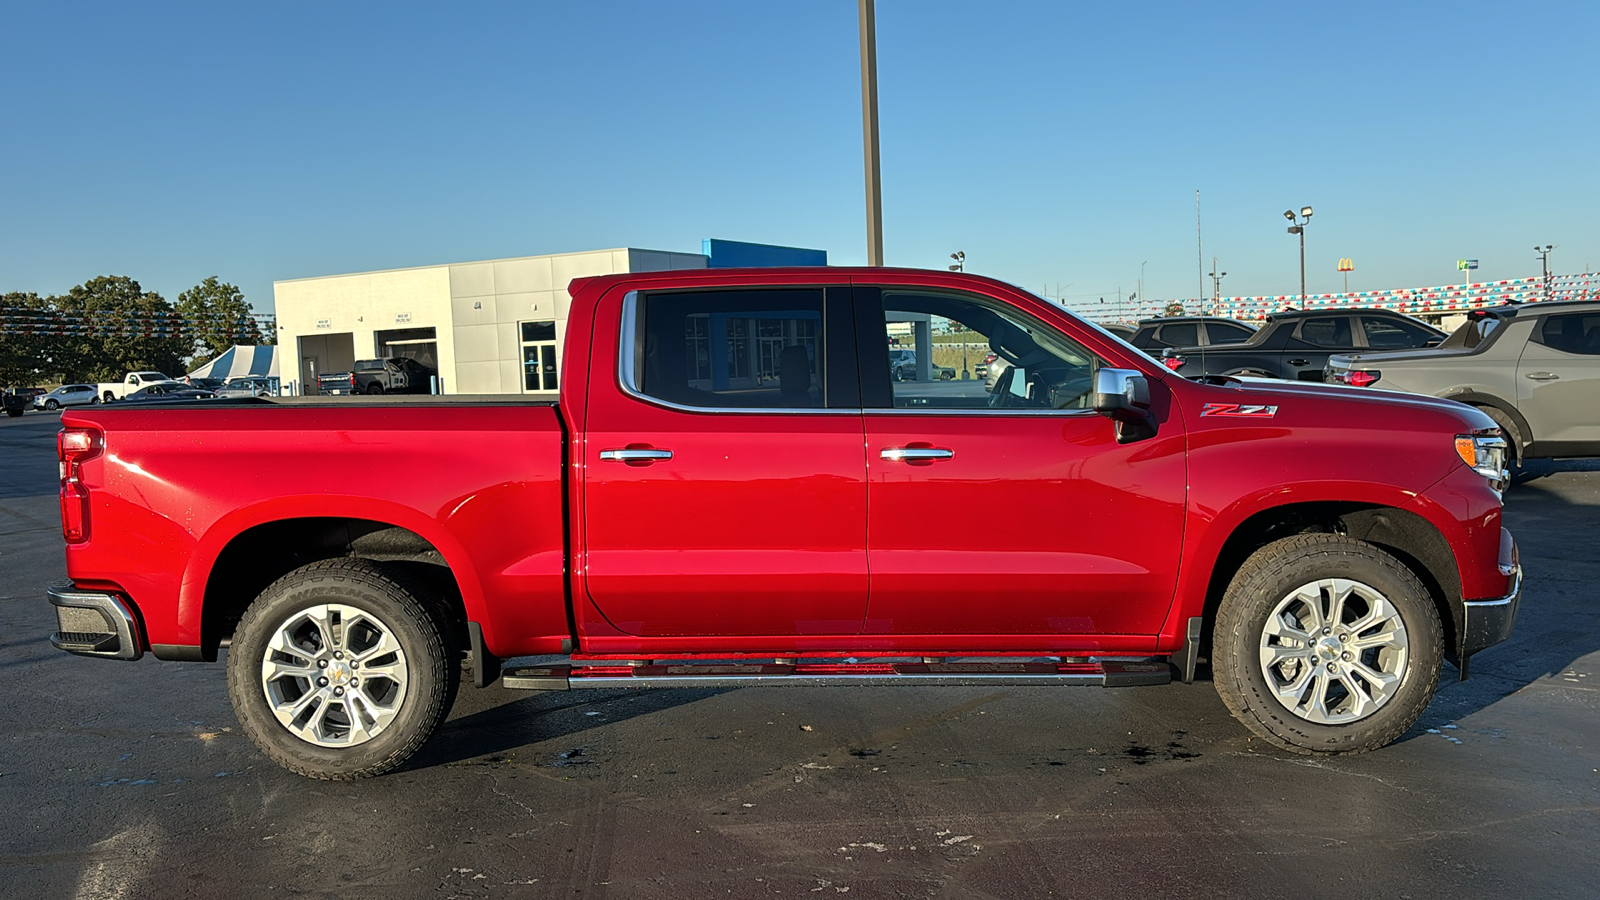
(1297, 227)
(1544, 258)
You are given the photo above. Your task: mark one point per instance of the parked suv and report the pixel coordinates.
(1533, 367)
(1190, 331)
(67, 395)
(1295, 344)
(395, 375)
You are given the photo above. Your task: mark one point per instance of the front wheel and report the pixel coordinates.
(51, 405)
(1324, 644)
(340, 671)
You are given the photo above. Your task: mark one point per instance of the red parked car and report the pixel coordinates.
(732, 490)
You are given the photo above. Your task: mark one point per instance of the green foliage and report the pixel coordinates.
(1173, 309)
(24, 355)
(117, 326)
(218, 316)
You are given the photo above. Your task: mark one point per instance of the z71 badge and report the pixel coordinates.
(1239, 410)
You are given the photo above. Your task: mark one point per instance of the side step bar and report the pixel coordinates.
(1102, 673)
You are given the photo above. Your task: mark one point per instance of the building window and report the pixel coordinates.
(539, 356)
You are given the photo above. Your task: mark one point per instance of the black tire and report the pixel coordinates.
(420, 699)
(107, 397)
(15, 413)
(374, 388)
(1268, 582)
(51, 405)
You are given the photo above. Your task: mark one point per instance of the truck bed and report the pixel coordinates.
(188, 501)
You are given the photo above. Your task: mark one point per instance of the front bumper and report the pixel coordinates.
(93, 623)
(1485, 623)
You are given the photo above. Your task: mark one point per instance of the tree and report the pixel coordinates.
(218, 317)
(24, 342)
(111, 325)
(1173, 309)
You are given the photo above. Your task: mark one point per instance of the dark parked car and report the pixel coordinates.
(15, 403)
(395, 375)
(167, 393)
(1190, 331)
(1296, 344)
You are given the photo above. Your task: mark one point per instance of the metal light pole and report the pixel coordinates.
(869, 128)
(1298, 227)
(1544, 258)
(1141, 282)
(960, 257)
(1216, 284)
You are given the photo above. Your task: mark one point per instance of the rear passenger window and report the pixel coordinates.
(1572, 333)
(1223, 333)
(1186, 334)
(1388, 334)
(1326, 331)
(742, 349)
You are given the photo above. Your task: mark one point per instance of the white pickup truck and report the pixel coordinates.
(117, 390)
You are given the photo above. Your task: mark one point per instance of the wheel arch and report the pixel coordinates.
(1412, 539)
(1524, 435)
(230, 566)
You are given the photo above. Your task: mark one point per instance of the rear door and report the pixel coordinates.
(724, 475)
(1011, 510)
(1558, 383)
(1314, 340)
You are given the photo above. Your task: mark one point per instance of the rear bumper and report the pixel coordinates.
(92, 623)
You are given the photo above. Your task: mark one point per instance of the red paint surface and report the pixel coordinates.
(780, 533)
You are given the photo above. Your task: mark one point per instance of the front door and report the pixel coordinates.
(721, 499)
(1005, 506)
(1558, 383)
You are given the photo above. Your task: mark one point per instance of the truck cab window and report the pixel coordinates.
(747, 349)
(958, 352)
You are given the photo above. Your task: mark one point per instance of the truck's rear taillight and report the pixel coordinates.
(352, 379)
(73, 447)
(1173, 362)
(1358, 377)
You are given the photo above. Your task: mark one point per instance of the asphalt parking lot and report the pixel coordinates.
(127, 780)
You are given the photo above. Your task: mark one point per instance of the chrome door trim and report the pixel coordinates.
(635, 455)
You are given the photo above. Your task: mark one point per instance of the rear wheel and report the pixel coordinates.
(374, 388)
(1324, 644)
(14, 413)
(339, 670)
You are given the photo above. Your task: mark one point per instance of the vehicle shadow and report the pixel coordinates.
(519, 719)
(1558, 621)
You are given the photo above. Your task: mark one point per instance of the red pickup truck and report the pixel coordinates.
(733, 490)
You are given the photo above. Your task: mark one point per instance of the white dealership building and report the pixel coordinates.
(489, 327)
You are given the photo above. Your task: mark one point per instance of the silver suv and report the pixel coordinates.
(1533, 367)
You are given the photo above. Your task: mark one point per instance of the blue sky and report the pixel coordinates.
(1059, 145)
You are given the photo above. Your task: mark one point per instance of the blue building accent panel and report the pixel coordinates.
(722, 254)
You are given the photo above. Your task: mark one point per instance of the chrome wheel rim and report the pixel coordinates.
(1334, 651)
(334, 675)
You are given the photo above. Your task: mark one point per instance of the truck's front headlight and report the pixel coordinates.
(1485, 452)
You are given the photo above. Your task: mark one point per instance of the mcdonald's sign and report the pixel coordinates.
(1347, 265)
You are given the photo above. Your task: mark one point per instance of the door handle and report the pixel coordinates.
(1542, 376)
(915, 454)
(634, 455)
(1298, 362)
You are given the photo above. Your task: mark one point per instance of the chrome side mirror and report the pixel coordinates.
(1123, 396)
